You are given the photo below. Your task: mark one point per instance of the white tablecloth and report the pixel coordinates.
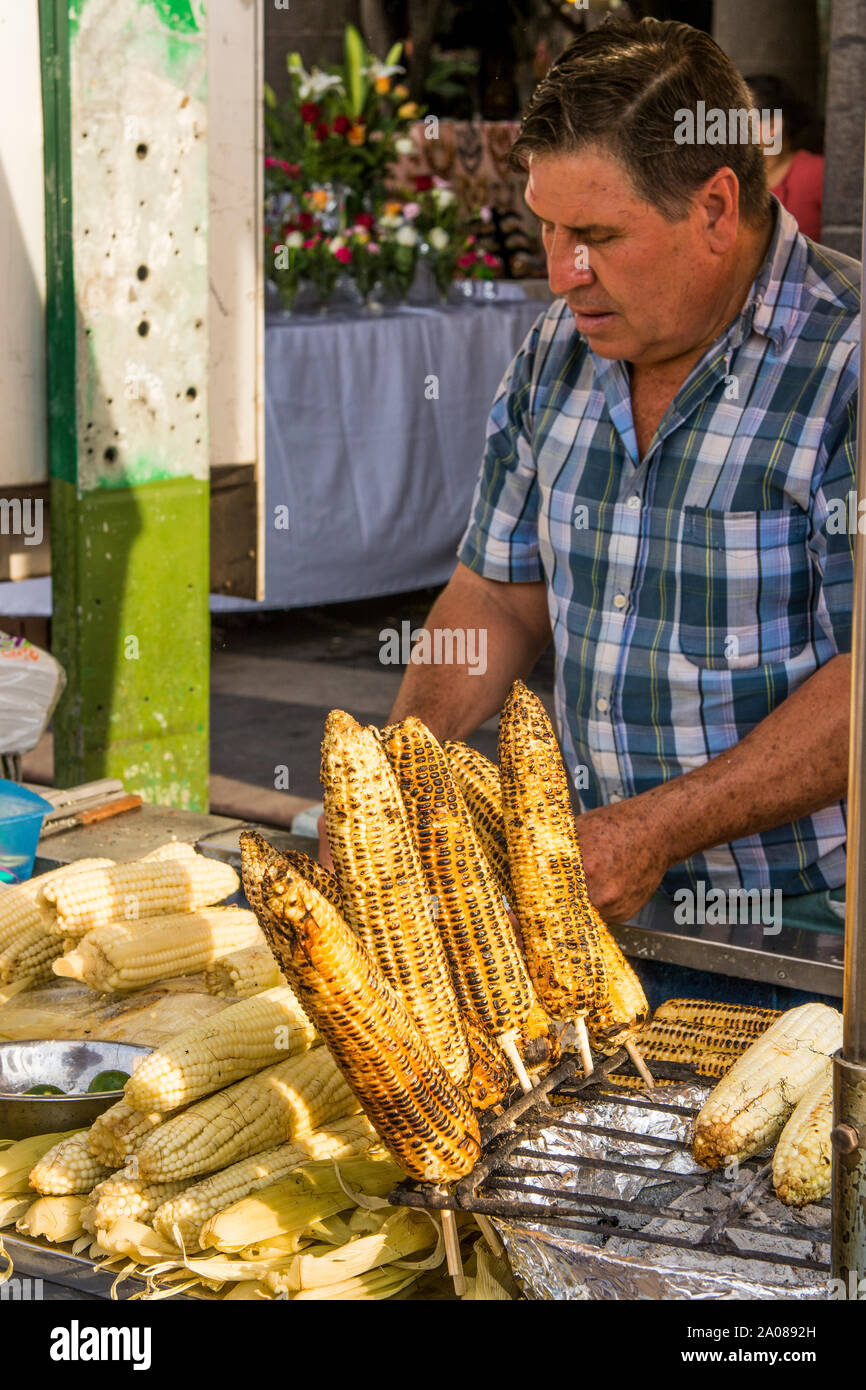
(377, 478)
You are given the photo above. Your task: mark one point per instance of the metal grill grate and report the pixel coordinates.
(507, 1177)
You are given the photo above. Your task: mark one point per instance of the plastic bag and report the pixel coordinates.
(31, 683)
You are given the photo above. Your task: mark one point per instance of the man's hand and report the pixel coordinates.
(624, 857)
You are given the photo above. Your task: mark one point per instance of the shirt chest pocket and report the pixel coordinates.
(745, 587)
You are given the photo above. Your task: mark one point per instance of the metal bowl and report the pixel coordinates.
(70, 1064)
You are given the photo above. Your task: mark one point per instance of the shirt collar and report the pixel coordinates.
(773, 305)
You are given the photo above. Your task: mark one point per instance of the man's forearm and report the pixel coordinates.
(507, 623)
(793, 763)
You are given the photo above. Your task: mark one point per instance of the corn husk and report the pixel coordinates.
(56, 1219)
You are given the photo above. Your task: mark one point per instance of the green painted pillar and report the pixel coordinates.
(125, 103)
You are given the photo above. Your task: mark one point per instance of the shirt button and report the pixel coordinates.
(602, 705)
(620, 600)
(633, 502)
(615, 796)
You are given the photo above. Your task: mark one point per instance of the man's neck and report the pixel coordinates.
(746, 261)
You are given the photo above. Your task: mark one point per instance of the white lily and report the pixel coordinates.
(407, 236)
(377, 70)
(314, 84)
(443, 197)
(439, 239)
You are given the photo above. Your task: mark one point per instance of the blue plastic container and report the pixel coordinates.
(21, 815)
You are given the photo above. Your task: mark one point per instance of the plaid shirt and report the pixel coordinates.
(693, 590)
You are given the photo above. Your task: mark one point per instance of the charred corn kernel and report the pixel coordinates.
(69, 1167)
(560, 937)
(309, 1194)
(626, 1005)
(124, 1198)
(635, 1083)
(243, 1038)
(708, 1014)
(29, 955)
(654, 1037)
(424, 1120)
(132, 892)
(255, 1114)
(491, 1076)
(802, 1163)
(489, 974)
(749, 1108)
(244, 973)
(315, 873)
(185, 1214)
(115, 1134)
(478, 780)
(385, 896)
(124, 957)
(54, 1218)
(19, 1159)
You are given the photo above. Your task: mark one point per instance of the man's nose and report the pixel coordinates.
(568, 265)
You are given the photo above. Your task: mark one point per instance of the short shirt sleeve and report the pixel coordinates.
(501, 540)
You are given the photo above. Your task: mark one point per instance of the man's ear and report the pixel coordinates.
(719, 202)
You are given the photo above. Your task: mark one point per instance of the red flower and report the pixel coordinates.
(492, 261)
(310, 113)
(344, 255)
(293, 171)
(322, 131)
(271, 163)
(365, 219)
(423, 183)
(306, 221)
(311, 241)
(468, 261)
(342, 125)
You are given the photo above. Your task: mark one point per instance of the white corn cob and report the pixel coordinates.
(255, 1114)
(123, 957)
(749, 1107)
(243, 973)
(29, 955)
(124, 1198)
(802, 1163)
(243, 1038)
(22, 906)
(185, 1215)
(144, 888)
(115, 1133)
(69, 1167)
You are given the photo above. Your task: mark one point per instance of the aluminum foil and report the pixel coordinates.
(550, 1264)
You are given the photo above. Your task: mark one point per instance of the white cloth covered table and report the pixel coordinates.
(377, 473)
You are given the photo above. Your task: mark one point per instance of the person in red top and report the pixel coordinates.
(796, 172)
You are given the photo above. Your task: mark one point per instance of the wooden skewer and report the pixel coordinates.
(635, 1055)
(583, 1046)
(491, 1235)
(452, 1251)
(509, 1047)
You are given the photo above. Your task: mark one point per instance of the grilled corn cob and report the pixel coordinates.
(707, 1014)
(626, 1005)
(124, 957)
(560, 937)
(115, 1133)
(690, 1043)
(243, 1038)
(424, 1120)
(122, 1198)
(385, 897)
(749, 1108)
(478, 780)
(69, 1167)
(491, 1075)
(802, 1163)
(255, 1114)
(183, 1216)
(243, 973)
(144, 888)
(488, 971)
(54, 1218)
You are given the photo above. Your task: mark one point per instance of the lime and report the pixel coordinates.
(45, 1091)
(109, 1081)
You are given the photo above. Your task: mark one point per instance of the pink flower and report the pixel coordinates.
(344, 255)
(311, 242)
(271, 163)
(373, 248)
(470, 241)
(485, 214)
(440, 182)
(411, 211)
(492, 261)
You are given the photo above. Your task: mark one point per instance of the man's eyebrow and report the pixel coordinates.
(593, 229)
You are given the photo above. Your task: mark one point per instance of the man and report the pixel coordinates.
(662, 460)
